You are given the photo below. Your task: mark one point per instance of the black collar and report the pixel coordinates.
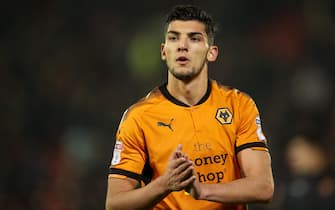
(167, 95)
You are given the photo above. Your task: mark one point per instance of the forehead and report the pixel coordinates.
(188, 26)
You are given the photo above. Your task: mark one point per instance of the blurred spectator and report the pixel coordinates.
(310, 183)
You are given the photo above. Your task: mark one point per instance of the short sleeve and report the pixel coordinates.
(129, 154)
(249, 131)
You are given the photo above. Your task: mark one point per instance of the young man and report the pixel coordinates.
(190, 143)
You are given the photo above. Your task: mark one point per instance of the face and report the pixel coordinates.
(303, 157)
(186, 49)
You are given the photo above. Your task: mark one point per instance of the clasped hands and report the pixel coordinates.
(179, 174)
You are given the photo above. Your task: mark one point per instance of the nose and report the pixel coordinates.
(183, 45)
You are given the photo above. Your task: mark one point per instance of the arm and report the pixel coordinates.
(122, 193)
(256, 185)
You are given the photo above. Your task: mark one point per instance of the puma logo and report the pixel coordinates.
(166, 125)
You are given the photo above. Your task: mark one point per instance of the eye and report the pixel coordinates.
(195, 38)
(172, 38)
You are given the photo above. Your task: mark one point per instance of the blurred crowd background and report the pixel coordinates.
(68, 70)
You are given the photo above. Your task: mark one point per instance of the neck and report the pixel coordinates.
(188, 92)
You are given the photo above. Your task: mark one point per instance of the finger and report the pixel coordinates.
(177, 166)
(177, 152)
(183, 172)
(186, 172)
(181, 165)
(185, 183)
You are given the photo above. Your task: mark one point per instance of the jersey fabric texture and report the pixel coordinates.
(224, 122)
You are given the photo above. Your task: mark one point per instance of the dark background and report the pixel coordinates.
(68, 70)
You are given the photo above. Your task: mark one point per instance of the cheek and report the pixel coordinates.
(201, 55)
(168, 55)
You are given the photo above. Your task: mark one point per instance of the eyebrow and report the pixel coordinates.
(189, 34)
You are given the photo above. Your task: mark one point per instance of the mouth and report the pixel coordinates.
(182, 60)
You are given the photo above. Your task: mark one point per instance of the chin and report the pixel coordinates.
(183, 76)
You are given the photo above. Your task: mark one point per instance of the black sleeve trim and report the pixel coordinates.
(248, 145)
(126, 173)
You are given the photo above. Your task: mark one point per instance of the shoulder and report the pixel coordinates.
(141, 106)
(230, 92)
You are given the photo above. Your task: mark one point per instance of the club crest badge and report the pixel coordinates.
(224, 116)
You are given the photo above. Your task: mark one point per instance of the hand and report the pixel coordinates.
(179, 171)
(194, 189)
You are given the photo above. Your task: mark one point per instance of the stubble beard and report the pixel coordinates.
(188, 76)
(185, 76)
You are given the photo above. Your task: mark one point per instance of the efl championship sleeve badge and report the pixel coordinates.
(117, 152)
(259, 131)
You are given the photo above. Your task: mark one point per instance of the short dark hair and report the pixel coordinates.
(191, 12)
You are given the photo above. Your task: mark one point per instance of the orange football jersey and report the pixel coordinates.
(224, 122)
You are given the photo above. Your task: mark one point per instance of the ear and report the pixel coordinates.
(163, 56)
(212, 53)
